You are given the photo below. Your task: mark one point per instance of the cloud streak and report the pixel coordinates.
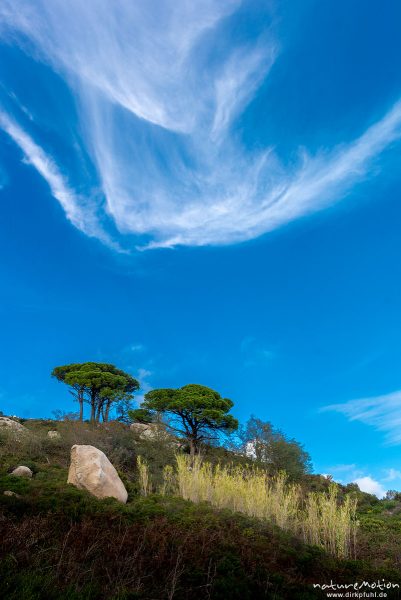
(392, 474)
(381, 412)
(159, 101)
(78, 210)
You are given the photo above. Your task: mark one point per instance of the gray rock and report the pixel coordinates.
(139, 427)
(22, 471)
(10, 493)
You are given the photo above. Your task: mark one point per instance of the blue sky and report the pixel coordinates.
(209, 192)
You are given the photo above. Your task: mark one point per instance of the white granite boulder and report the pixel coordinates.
(91, 470)
(12, 425)
(22, 471)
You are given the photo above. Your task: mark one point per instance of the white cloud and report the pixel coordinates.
(352, 473)
(136, 55)
(371, 486)
(381, 412)
(78, 210)
(143, 375)
(392, 475)
(136, 347)
(158, 100)
(266, 197)
(235, 87)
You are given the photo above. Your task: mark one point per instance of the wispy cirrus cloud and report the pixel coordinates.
(78, 210)
(381, 412)
(158, 101)
(136, 348)
(143, 375)
(255, 352)
(392, 474)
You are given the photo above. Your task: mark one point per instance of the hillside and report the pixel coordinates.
(59, 542)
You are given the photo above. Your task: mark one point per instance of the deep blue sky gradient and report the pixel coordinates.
(284, 324)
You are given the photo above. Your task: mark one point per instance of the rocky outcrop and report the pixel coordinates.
(12, 425)
(150, 431)
(91, 470)
(22, 471)
(143, 429)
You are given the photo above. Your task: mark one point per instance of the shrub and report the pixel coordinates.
(60, 543)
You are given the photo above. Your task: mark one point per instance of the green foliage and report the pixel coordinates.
(99, 384)
(393, 495)
(141, 415)
(274, 449)
(59, 542)
(365, 500)
(196, 412)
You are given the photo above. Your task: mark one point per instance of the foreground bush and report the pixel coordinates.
(59, 543)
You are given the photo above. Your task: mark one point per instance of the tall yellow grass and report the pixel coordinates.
(168, 486)
(331, 524)
(144, 476)
(318, 519)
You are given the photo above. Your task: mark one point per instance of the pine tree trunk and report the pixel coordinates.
(192, 450)
(93, 408)
(81, 406)
(106, 414)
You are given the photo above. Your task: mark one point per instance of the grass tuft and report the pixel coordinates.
(319, 518)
